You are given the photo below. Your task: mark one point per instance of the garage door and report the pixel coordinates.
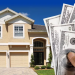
(2, 59)
(19, 59)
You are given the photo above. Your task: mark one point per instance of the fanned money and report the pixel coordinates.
(49, 22)
(72, 16)
(65, 14)
(55, 40)
(67, 45)
(61, 32)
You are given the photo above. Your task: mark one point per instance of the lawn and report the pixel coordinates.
(45, 72)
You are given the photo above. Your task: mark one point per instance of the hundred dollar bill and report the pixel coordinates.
(65, 14)
(72, 17)
(67, 45)
(49, 22)
(55, 32)
(54, 20)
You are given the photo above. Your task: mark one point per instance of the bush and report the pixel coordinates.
(43, 67)
(37, 67)
(32, 61)
(50, 58)
(48, 66)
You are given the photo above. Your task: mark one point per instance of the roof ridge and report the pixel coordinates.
(39, 25)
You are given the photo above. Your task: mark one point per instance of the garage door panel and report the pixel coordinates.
(19, 59)
(3, 59)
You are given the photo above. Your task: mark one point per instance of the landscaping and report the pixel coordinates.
(45, 72)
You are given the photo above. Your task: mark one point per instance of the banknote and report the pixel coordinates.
(67, 44)
(72, 16)
(55, 37)
(65, 13)
(49, 22)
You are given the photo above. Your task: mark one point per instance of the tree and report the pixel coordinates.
(32, 60)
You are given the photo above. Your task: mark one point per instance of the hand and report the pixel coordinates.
(71, 57)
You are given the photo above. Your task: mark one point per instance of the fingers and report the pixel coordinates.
(71, 57)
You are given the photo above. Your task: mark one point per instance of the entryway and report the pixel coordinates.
(39, 58)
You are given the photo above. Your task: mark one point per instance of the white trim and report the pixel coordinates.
(7, 9)
(18, 43)
(9, 59)
(3, 50)
(23, 30)
(42, 38)
(19, 50)
(31, 20)
(1, 31)
(48, 45)
(3, 43)
(14, 43)
(29, 58)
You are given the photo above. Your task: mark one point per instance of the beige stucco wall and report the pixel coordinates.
(7, 34)
(37, 36)
(4, 38)
(4, 47)
(10, 33)
(20, 47)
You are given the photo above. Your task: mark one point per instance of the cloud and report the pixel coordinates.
(26, 14)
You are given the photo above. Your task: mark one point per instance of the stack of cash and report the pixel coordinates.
(61, 32)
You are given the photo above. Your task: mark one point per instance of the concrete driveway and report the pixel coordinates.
(17, 71)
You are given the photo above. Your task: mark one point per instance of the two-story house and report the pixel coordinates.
(19, 38)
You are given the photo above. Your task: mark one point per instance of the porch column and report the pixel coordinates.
(47, 52)
(30, 53)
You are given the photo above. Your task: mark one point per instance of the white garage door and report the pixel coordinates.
(19, 59)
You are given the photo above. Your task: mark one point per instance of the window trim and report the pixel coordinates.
(40, 41)
(23, 30)
(1, 32)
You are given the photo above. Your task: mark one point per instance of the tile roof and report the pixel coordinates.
(37, 28)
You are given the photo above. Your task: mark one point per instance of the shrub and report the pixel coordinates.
(48, 66)
(50, 58)
(37, 67)
(32, 61)
(43, 67)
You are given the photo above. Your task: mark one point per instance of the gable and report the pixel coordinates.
(19, 20)
(5, 15)
(20, 17)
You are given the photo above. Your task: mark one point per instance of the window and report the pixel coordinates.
(38, 44)
(18, 31)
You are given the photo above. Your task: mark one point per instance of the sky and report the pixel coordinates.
(36, 9)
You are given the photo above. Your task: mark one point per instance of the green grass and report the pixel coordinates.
(45, 72)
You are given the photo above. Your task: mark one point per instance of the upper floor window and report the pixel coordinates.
(18, 31)
(38, 44)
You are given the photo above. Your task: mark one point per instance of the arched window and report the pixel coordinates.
(38, 44)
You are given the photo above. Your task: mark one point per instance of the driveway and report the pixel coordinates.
(17, 71)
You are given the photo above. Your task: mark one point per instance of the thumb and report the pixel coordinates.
(71, 57)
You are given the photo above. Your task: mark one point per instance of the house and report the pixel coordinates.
(19, 38)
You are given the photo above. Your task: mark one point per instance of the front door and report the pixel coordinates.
(39, 58)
